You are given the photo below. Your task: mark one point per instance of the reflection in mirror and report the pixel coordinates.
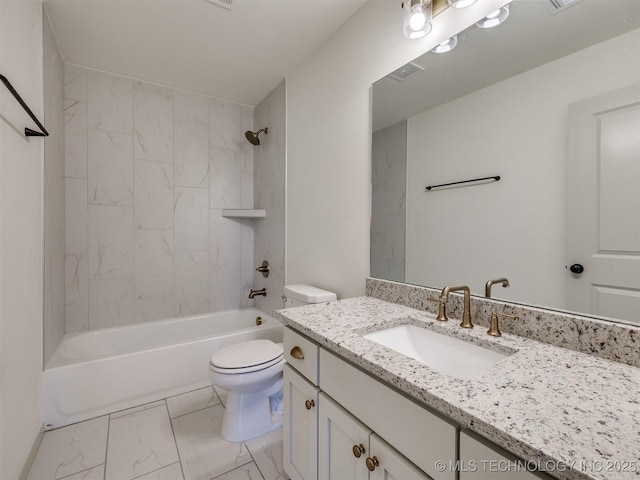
(550, 102)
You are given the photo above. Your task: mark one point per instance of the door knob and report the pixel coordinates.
(358, 450)
(576, 268)
(309, 403)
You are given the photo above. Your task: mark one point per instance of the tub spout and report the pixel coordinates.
(254, 293)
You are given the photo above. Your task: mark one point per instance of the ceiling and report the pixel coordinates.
(530, 37)
(237, 55)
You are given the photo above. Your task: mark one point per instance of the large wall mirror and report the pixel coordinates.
(549, 101)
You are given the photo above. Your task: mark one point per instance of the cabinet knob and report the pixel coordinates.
(358, 450)
(297, 353)
(372, 463)
(309, 403)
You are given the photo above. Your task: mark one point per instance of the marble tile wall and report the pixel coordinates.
(54, 194)
(269, 191)
(388, 197)
(147, 171)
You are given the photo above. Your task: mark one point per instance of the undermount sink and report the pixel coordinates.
(443, 353)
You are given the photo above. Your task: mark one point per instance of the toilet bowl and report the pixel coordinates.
(251, 373)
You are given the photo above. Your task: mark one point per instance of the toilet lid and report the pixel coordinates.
(253, 353)
(253, 368)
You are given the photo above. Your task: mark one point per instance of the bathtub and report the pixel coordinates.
(101, 371)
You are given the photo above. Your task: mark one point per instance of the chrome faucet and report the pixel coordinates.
(490, 283)
(255, 293)
(466, 315)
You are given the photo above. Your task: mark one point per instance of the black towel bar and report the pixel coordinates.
(27, 131)
(496, 178)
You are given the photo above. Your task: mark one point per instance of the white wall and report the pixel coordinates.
(148, 171)
(329, 141)
(516, 227)
(20, 235)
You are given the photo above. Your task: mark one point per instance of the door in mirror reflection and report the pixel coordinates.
(604, 205)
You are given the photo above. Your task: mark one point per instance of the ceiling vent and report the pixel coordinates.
(406, 71)
(556, 6)
(222, 3)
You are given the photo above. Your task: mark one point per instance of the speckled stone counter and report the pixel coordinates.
(574, 414)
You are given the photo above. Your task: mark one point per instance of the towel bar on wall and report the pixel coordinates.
(495, 178)
(27, 131)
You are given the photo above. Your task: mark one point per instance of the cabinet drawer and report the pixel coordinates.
(308, 365)
(421, 436)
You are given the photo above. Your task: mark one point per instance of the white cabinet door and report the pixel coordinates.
(482, 460)
(390, 464)
(300, 422)
(343, 443)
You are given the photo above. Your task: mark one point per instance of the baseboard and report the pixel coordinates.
(26, 468)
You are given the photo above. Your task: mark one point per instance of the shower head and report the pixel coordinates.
(253, 137)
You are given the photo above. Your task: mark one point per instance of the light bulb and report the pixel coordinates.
(495, 18)
(415, 23)
(446, 46)
(460, 3)
(417, 20)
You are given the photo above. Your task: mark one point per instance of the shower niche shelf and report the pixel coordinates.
(243, 213)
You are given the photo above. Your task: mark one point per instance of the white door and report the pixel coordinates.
(300, 427)
(343, 443)
(604, 205)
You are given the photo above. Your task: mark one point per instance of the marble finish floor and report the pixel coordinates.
(177, 438)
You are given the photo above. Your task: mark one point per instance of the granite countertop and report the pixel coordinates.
(573, 415)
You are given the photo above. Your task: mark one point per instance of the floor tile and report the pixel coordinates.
(71, 449)
(140, 443)
(203, 452)
(192, 401)
(172, 472)
(95, 473)
(222, 395)
(267, 453)
(139, 408)
(245, 472)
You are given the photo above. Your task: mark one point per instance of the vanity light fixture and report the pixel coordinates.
(415, 21)
(460, 3)
(446, 46)
(494, 19)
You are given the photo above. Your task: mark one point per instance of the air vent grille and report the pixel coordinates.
(222, 3)
(406, 71)
(556, 6)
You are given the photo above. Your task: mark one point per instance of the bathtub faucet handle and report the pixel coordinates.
(264, 269)
(254, 293)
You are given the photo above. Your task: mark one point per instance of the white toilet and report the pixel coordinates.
(251, 373)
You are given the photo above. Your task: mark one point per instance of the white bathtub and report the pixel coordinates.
(100, 371)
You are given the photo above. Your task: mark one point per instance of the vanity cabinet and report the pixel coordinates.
(343, 443)
(300, 426)
(336, 417)
(349, 450)
(482, 460)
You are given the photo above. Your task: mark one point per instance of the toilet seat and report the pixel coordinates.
(245, 357)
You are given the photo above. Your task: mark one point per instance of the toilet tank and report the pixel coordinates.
(298, 295)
